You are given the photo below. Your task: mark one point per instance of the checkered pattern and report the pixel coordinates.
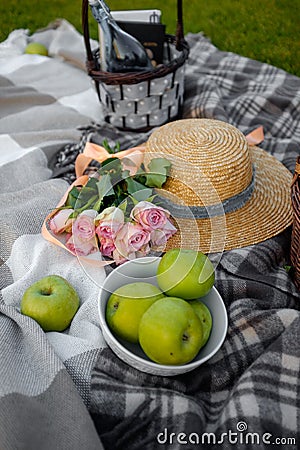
(252, 383)
(254, 378)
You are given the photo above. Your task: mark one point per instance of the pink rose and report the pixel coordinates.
(109, 222)
(79, 247)
(84, 227)
(149, 216)
(130, 239)
(159, 237)
(61, 222)
(107, 246)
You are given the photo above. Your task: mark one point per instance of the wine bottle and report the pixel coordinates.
(119, 51)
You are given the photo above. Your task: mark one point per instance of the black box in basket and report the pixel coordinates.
(151, 35)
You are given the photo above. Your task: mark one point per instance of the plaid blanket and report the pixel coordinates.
(68, 390)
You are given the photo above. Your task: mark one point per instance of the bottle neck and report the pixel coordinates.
(100, 10)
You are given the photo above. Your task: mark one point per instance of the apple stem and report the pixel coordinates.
(46, 292)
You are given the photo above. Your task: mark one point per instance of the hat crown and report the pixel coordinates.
(210, 160)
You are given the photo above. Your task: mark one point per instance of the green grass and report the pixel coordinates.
(266, 30)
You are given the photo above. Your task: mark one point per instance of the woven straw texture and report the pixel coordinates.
(211, 162)
(295, 242)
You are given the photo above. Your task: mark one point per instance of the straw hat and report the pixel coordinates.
(222, 193)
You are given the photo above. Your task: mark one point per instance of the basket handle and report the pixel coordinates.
(86, 34)
(179, 26)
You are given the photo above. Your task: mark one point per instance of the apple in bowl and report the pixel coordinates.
(145, 270)
(170, 332)
(127, 305)
(185, 273)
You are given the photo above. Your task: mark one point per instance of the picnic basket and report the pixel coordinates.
(295, 240)
(139, 101)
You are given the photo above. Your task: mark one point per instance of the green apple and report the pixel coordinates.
(36, 48)
(52, 302)
(170, 332)
(127, 304)
(185, 273)
(204, 315)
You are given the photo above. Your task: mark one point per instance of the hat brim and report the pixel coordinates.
(267, 213)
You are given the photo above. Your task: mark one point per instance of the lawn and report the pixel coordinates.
(264, 30)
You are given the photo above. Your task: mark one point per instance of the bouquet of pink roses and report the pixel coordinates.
(114, 212)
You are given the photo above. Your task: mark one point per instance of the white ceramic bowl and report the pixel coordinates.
(144, 269)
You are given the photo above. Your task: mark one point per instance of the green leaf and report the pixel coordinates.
(125, 174)
(72, 197)
(151, 198)
(107, 146)
(74, 192)
(87, 204)
(86, 199)
(73, 215)
(87, 192)
(109, 149)
(141, 177)
(123, 206)
(159, 169)
(112, 162)
(120, 192)
(111, 166)
(117, 147)
(142, 195)
(104, 186)
(287, 268)
(91, 184)
(134, 186)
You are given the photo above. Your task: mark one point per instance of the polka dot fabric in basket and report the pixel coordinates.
(146, 104)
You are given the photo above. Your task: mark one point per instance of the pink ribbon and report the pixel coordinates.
(256, 136)
(100, 154)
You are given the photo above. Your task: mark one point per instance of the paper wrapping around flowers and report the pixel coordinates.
(113, 232)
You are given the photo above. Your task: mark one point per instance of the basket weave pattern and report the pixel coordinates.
(141, 100)
(295, 242)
